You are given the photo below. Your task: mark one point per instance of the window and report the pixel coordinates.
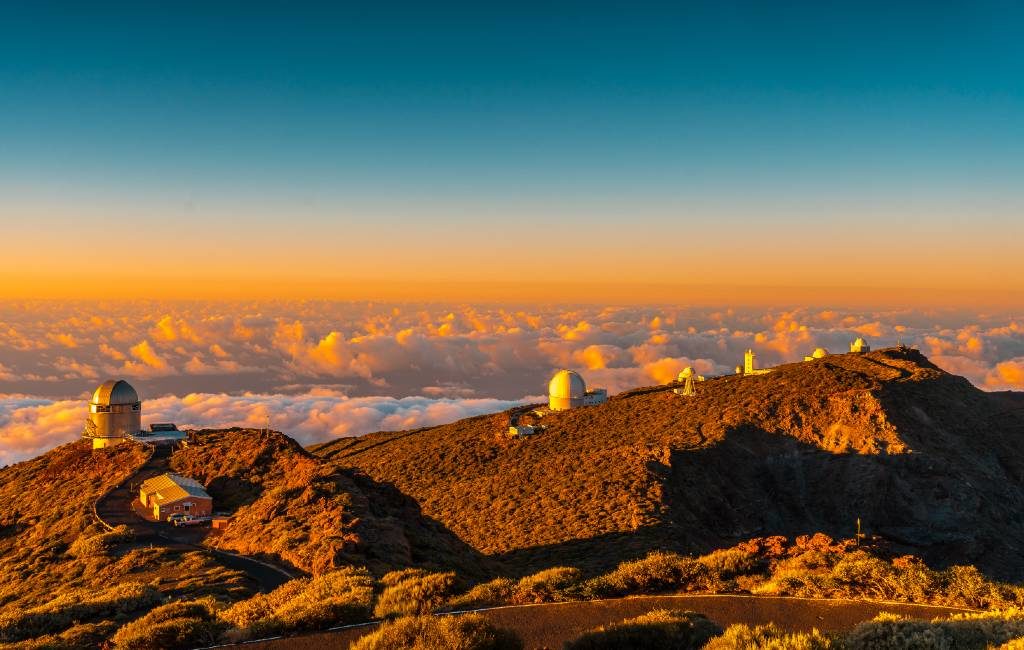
(177, 507)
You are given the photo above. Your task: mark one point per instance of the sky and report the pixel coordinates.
(599, 152)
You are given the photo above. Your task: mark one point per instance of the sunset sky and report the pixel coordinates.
(584, 152)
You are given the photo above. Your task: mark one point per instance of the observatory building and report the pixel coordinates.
(115, 413)
(567, 390)
(819, 353)
(750, 365)
(860, 345)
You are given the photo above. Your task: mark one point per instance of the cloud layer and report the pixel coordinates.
(30, 426)
(331, 368)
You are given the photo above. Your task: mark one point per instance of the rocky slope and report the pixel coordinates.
(919, 455)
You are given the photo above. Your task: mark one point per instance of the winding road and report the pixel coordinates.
(118, 507)
(550, 625)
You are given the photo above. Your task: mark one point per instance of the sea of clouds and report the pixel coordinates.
(327, 369)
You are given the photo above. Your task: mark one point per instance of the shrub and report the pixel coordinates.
(657, 572)
(655, 630)
(730, 562)
(558, 583)
(768, 637)
(467, 632)
(335, 598)
(186, 624)
(392, 578)
(962, 632)
(489, 594)
(66, 610)
(101, 544)
(417, 594)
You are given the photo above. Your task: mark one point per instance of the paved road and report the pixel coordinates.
(119, 508)
(551, 625)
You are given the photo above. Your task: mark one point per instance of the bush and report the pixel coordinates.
(186, 624)
(68, 609)
(730, 562)
(671, 630)
(963, 632)
(657, 572)
(489, 594)
(392, 578)
(467, 632)
(101, 544)
(558, 583)
(417, 594)
(335, 598)
(768, 637)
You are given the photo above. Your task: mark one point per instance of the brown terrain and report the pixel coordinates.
(922, 457)
(299, 510)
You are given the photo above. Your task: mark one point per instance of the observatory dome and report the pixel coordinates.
(819, 353)
(114, 393)
(567, 384)
(685, 373)
(860, 345)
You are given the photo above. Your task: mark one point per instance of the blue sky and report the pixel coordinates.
(741, 112)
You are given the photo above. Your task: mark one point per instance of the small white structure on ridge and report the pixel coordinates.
(819, 353)
(750, 365)
(567, 390)
(860, 345)
(686, 377)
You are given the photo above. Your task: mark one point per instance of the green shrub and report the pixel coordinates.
(335, 598)
(658, 572)
(558, 583)
(466, 632)
(185, 624)
(768, 637)
(417, 594)
(499, 591)
(656, 630)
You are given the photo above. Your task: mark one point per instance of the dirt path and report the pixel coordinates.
(117, 508)
(551, 625)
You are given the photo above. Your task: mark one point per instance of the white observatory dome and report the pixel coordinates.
(819, 353)
(567, 384)
(115, 393)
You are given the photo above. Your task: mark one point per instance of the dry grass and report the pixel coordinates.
(769, 637)
(416, 593)
(656, 630)
(336, 598)
(469, 632)
(176, 626)
(295, 508)
(785, 452)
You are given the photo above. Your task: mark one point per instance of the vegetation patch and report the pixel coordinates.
(656, 630)
(466, 632)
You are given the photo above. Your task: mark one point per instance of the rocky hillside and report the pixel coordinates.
(296, 509)
(919, 455)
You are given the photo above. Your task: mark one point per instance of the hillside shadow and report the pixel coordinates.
(753, 483)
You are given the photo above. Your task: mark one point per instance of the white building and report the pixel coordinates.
(819, 353)
(860, 345)
(750, 365)
(567, 390)
(115, 413)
